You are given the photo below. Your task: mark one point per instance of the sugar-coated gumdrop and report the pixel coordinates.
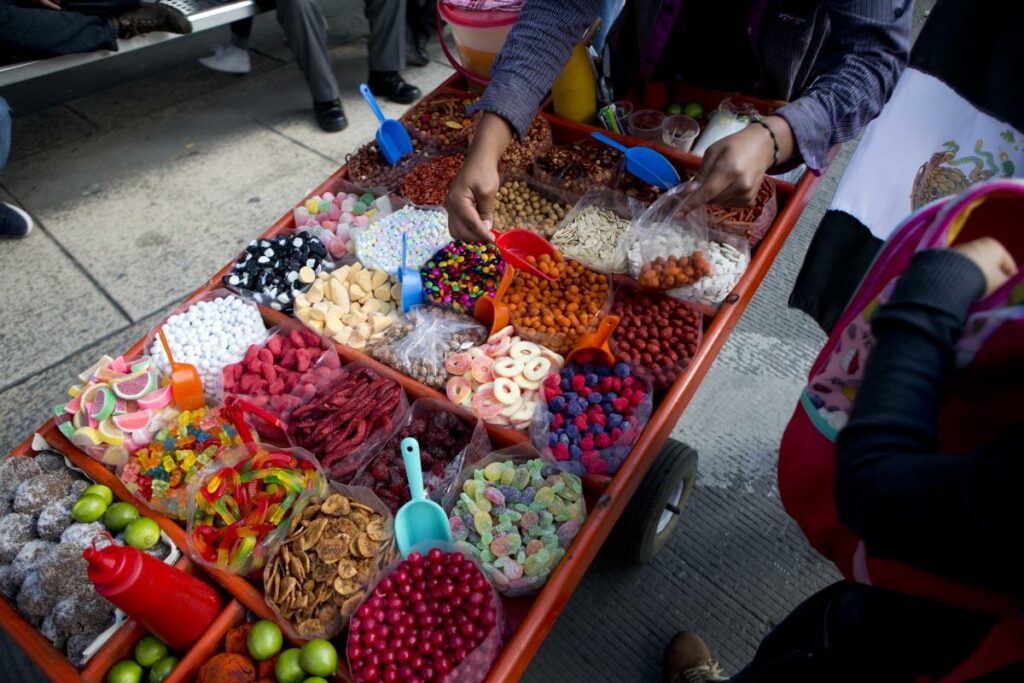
(509, 567)
(537, 563)
(495, 496)
(500, 546)
(493, 471)
(533, 546)
(529, 519)
(482, 522)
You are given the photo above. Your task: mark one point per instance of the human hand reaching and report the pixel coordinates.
(995, 262)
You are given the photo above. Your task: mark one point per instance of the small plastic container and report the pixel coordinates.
(479, 35)
(646, 124)
(679, 132)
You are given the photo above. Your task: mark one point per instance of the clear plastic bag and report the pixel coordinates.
(730, 117)
(525, 202)
(668, 247)
(567, 433)
(597, 231)
(346, 419)
(750, 223)
(532, 524)
(449, 437)
(474, 667)
(436, 334)
(729, 255)
(249, 276)
(241, 506)
(341, 573)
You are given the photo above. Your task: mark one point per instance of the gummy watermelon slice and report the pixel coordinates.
(135, 386)
(102, 405)
(131, 422)
(156, 399)
(119, 365)
(74, 404)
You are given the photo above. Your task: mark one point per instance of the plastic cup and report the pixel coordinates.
(622, 109)
(646, 124)
(679, 131)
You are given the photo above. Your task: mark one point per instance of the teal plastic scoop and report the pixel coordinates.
(420, 523)
(392, 137)
(646, 164)
(410, 280)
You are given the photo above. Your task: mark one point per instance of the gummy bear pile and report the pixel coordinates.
(518, 518)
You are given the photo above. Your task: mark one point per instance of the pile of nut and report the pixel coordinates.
(520, 206)
(320, 573)
(578, 167)
(353, 305)
(444, 119)
(518, 157)
(438, 333)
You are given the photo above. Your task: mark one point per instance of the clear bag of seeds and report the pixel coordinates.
(436, 334)
(597, 231)
(728, 254)
(517, 515)
(669, 246)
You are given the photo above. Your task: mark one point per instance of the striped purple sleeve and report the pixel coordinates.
(867, 48)
(535, 51)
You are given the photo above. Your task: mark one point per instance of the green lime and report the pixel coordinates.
(100, 490)
(88, 509)
(150, 650)
(142, 533)
(162, 669)
(319, 658)
(264, 640)
(674, 108)
(287, 668)
(695, 110)
(125, 671)
(315, 679)
(118, 515)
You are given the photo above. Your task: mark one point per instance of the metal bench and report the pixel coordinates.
(202, 14)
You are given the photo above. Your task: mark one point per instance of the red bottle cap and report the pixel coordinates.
(107, 565)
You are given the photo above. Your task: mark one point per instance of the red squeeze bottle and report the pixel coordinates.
(174, 606)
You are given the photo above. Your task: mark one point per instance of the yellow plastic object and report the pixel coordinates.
(575, 91)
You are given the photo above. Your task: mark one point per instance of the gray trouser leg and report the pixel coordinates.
(387, 34)
(306, 27)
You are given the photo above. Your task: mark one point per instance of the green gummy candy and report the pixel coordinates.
(471, 506)
(505, 528)
(556, 507)
(493, 471)
(358, 208)
(521, 507)
(521, 479)
(483, 504)
(486, 538)
(544, 497)
(487, 556)
(546, 518)
(508, 476)
(521, 556)
(514, 516)
(504, 519)
(67, 429)
(536, 564)
(471, 488)
(515, 542)
(367, 198)
(58, 409)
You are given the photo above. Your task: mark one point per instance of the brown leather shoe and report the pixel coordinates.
(149, 18)
(687, 660)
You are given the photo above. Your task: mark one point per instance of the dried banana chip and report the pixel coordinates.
(313, 533)
(351, 603)
(336, 505)
(347, 569)
(330, 550)
(345, 586)
(367, 548)
(375, 529)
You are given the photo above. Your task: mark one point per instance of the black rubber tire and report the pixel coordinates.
(635, 538)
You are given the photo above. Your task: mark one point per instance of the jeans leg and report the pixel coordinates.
(5, 133)
(387, 34)
(50, 32)
(306, 27)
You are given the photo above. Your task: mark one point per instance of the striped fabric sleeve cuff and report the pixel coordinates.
(512, 100)
(812, 130)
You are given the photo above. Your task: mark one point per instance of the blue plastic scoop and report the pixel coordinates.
(392, 137)
(646, 164)
(410, 281)
(420, 523)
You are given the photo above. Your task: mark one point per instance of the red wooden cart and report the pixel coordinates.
(644, 497)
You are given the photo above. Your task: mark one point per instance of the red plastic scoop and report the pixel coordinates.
(186, 385)
(518, 245)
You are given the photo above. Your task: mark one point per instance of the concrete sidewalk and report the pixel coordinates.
(146, 173)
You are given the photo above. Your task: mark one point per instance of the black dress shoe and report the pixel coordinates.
(418, 55)
(149, 18)
(330, 116)
(391, 85)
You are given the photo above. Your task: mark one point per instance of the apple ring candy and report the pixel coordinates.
(499, 347)
(485, 405)
(457, 363)
(503, 333)
(524, 350)
(481, 369)
(507, 367)
(526, 384)
(518, 516)
(459, 391)
(506, 391)
(537, 368)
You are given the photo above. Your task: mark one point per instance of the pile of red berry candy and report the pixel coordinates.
(425, 619)
(442, 435)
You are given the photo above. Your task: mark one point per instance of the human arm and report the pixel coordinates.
(470, 200)
(949, 514)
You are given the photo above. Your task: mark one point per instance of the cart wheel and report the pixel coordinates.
(653, 513)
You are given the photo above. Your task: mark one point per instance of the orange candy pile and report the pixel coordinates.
(674, 271)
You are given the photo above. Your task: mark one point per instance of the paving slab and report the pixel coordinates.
(43, 130)
(152, 215)
(48, 307)
(27, 405)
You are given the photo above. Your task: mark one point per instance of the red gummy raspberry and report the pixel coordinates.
(637, 398)
(616, 434)
(551, 392)
(599, 419)
(597, 466)
(628, 382)
(587, 443)
(586, 391)
(579, 382)
(581, 422)
(557, 420)
(602, 441)
(561, 451)
(274, 344)
(608, 383)
(553, 380)
(620, 404)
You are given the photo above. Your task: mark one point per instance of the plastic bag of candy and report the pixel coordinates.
(274, 270)
(468, 606)
(518, 515)
(449, 437)
(242, 505)
(591, 416)
(379, 245)
(344, 420)
(597, 231)
(436, 335)
(728, 255)
(269, 373)
(459, 273)
(340, 539)
(669, 248)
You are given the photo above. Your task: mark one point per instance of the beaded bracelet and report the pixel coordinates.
(775, 141)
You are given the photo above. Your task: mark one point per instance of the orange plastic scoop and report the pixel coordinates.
(518, 245)
(596, 343)
(493, 311)
(186, 385)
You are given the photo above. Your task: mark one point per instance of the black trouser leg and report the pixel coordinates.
(50, 32)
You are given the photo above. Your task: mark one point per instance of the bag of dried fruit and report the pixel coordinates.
(597, 231)
(340, 540)
(466, 613)
(669, 247)
(518, 515)
(241, 506)
(448, 437)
